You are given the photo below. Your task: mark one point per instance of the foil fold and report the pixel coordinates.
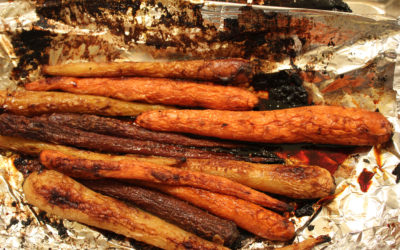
(363, 50)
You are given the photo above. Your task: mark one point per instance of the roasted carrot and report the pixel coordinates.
(33, 148)
(313, 124)
(128, 129)
(249, 216)
(37, 129)
(170, 209)
(58, 194)
(138, 170)
(226, 70)
(300, 182)
(42, 102)
(154, 90)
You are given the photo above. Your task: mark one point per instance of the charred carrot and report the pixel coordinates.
(226, 70)
(249, 216)
(138, 170)
(60, 195)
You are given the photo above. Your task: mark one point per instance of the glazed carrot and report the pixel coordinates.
(226, 70)
(170, 209)
(139, 170)
(42, 102)
(299, 182)
(60, 195)
(313, 124)
(154, 91)
(249, 216)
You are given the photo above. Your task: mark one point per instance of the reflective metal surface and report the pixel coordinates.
(364, 50)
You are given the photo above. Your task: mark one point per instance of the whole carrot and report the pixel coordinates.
(154, 90)
(313, 124)
(226, 70)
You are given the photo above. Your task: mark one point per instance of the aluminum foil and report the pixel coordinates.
(345, 59)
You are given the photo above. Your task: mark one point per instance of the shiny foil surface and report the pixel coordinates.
(351, 60)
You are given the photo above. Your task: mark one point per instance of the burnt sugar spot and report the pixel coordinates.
(365, 180)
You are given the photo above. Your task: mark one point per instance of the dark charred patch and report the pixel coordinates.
(30, 47)
(62, 200)
(43, 23)
(12, 222)
(27, 165)
(42, 216)
(141, 245)
(56, 9)
(26, 222)
(265, 35)
(396, 172)
(110, 14)
(310, 227)
(111, 235)
(240, 241)
(61, 229)
(251, 153)
(306, 210)
(285, 90)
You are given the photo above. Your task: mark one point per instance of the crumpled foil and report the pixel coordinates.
(348, 60)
